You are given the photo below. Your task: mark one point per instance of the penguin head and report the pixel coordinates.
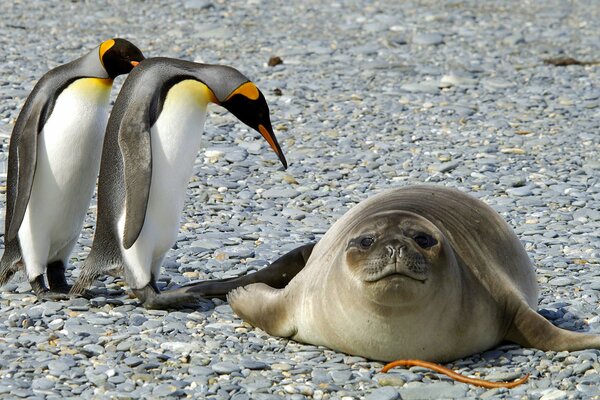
(119, 56)
(248, 104)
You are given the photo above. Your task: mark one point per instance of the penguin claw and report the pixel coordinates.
(50, 295)
(174, 299)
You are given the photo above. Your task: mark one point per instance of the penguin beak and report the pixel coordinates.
(134, 63)
(270, 138)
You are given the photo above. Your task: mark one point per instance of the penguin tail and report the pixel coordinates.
(11, 262)
(87, 276)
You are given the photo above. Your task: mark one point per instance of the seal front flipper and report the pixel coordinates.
(277, 275)
(530, 329)
(264, 307)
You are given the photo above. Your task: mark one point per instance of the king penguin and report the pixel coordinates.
(151, 143)
(53, 162)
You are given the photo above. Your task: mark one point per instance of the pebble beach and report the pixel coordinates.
(500, 99)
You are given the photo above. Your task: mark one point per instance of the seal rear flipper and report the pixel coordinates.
(530, 329)
(263, 307)
(277, 275)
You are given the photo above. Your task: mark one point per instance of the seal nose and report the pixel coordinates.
(395, 250)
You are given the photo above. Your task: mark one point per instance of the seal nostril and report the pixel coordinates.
(401, 249)
(391, 251)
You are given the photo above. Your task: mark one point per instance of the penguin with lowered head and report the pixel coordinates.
(151, 143)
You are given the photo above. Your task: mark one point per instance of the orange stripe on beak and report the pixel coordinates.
(134, 63)
(270, 138)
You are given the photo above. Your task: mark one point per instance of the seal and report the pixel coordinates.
(422, 272)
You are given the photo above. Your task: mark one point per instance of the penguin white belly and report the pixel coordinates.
(175, 139)
(68, 161)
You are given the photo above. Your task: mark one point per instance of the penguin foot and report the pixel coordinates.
(50, 295)
(43, 293)
(56, 278)
(177, 299)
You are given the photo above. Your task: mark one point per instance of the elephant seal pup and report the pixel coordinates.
(421, 272)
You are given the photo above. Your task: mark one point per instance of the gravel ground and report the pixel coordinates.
(369, 96)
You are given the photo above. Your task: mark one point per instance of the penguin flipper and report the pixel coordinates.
(136, 153)
(26, 132)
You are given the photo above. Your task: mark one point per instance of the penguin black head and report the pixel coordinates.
(119, 56)
(248, 104)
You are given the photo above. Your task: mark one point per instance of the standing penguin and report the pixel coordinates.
(151, 142)
(53, 163)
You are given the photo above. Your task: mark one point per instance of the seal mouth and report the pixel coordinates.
(395, 270)
(395, 275)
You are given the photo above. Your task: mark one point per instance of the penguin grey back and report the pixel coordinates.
(136, 109)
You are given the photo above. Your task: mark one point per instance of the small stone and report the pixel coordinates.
(164, 390)
(56, 324)
(92, 350)
(456, 80)
(519, 191)
(445, 167)
(57, 367)
(553, 394)
(133, 361)
(198, 4)
(42, 384)
(432, 391)
(497, 84)
(280, 193)
(275, 60)
(179, 347)
(560, 282)
(254, 365)
(225, 367)
(421, 87)
(384, 393)
(428, 39)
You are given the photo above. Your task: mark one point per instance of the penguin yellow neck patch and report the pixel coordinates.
(191, 89)
(248, 90)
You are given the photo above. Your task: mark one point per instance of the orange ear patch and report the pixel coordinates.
(105, 46)
(248, 90)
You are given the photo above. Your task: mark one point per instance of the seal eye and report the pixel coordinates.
(366, 242)
(424, 240)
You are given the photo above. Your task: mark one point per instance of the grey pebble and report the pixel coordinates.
(42, 384)
(560, 281)
(56, 324)
(433, 391)
(254, 365)
(280, 193)
(519, 191)
(428, 39)
(225, 367)
(384, 393)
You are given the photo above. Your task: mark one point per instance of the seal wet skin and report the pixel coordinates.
(420, 272)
